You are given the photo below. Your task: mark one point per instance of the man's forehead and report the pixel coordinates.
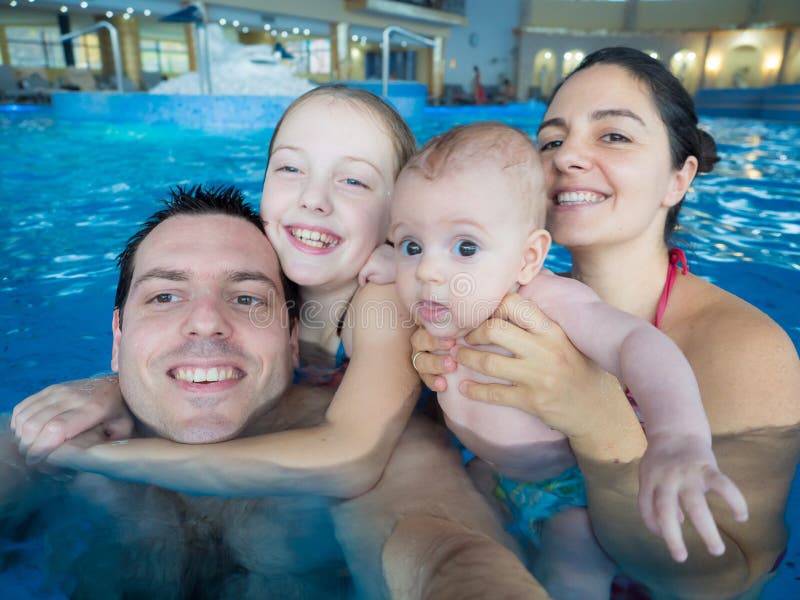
(207, 244)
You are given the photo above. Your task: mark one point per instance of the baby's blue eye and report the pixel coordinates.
(466, 248)
(410, 248)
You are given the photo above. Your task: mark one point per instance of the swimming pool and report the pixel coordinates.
(72, 192)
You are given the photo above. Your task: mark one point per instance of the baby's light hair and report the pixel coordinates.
(486, 145)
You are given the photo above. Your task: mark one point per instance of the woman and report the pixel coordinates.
(621, 146)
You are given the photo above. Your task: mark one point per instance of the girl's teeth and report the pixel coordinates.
(316, 239)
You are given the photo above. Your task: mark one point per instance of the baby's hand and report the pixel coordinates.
(380, 267)
(44, 421)
(675, 474)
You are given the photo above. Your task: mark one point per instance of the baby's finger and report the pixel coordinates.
(669, 525)
(695, 505)
(729, 492)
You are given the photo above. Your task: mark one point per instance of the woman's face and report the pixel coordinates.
(607, 161)
(326, 192)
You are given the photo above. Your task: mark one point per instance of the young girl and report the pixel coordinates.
(332, 164)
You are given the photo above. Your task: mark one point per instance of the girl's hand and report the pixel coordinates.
(431, 366)
(676, 473)
(44, 421)
(550, 378)
(380, 267)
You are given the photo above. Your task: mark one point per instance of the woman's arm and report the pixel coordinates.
(748, 374)
(342, 457)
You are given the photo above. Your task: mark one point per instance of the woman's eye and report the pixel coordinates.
(466, 248)
(550, 145)
(410, 248)
(615, 137)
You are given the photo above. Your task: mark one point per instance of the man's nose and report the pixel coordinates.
(207, 318)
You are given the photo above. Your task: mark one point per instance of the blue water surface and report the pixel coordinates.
(72, 192)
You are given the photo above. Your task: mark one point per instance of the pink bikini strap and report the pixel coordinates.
(676, 256)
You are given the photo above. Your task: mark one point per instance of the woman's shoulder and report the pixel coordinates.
(746, 365)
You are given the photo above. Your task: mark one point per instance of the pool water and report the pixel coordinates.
(72, 192)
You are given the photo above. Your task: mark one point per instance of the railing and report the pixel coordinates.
(112, 33)
(196, 13)
(385, 54)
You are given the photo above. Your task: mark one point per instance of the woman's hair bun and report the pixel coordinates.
(708, 152)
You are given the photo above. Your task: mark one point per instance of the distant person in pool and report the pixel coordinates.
(205, 341)
(621, 146)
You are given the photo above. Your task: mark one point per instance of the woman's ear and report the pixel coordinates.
(681, 180)
(537, 245)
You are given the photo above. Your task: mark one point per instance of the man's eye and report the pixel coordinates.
(550, 145)
(466, 248)
(164, 298)
(410, 248)
(247, 300)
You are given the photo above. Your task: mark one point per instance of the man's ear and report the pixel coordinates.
(681, 180)
(115, 330)
(536, 248)
(294, 343)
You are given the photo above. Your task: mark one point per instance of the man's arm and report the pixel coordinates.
(424, 531)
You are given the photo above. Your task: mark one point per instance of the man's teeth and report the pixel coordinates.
(579, 198)
(212, 374)
(316, 239)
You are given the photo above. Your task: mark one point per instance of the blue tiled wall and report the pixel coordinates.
(776, 103)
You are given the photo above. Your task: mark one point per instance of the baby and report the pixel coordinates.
(467, 225)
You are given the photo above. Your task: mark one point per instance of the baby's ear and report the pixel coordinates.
(537, 245)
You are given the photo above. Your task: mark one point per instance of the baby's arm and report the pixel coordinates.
(342, 457)
(679, 465)
(381, 266)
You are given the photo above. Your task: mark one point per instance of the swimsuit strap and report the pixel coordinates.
(676, 256)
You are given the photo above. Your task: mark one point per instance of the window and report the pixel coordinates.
(164, 56)
(311, 56)
(87, 52)
(35, 46)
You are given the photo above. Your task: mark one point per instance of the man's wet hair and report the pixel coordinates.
(197, 200)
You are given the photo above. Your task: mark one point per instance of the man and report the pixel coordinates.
(204, 319)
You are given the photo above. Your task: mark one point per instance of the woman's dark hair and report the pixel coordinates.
(674, 104)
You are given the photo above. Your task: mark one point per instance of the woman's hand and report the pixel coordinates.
(44, 421)
(431, 366)
(550, 378)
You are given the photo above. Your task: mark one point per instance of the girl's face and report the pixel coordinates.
(326, 193)
(607, 163)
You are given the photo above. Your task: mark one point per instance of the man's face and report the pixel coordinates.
(204, 346)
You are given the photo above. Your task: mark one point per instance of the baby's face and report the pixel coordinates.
(460, 243)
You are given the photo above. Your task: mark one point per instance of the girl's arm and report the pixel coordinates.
(342, 457)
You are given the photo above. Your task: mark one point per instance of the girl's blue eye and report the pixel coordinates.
(288, 169)
(353, 181)
(410, 248)
(466, 248)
